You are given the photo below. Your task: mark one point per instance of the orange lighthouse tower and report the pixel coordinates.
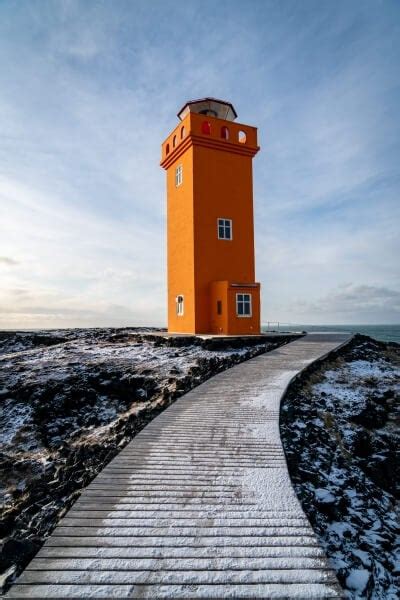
(211, 271)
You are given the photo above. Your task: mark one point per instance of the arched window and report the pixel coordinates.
(242, 137)
(206, 127)
(179, 305)
(183, 132)
(174, 141)
(167, 149)
(225, 133)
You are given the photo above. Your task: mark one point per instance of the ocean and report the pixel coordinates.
(385, 333)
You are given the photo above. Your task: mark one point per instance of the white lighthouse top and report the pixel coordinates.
(210, 107)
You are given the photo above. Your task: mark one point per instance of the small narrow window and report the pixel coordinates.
(243, 305)
(219, 307)
(242, 137)
(183, 132)
(206, 127)
(174, 141)
(179, 306)
(178, 175)
(225, 133)
(224, 227)
(167, 149)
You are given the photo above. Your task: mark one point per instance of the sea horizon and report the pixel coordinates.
(381, 332)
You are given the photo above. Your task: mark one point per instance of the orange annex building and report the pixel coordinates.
(210, 227)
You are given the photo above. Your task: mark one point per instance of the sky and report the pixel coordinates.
(90, 89)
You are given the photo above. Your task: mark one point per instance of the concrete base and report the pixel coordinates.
(218, 342)
(262, 337)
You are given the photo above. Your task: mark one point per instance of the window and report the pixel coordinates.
(183, 132)
(167, 149)
(209, 112)
(179, 306)
(242, 137)
(224, 229)
(174, 141)
(225, 133)
(243, 305)
(178, 175)
(206, 127)
(219, 307)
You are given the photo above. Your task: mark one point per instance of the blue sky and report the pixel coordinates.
(88, 90)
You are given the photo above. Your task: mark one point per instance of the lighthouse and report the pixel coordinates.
(210, 224)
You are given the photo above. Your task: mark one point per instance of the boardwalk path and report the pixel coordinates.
(198, 505)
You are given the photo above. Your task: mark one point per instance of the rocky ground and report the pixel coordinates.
(340, 428)
(70, 400)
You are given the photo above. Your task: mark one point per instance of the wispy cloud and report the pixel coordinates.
(89, 90)
(9, 262)
(354, 303)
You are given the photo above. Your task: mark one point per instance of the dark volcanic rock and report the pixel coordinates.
(373, 415)
(340, 430)
(71, 400)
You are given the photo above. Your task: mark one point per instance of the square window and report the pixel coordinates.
(224, 227)
(243, 305)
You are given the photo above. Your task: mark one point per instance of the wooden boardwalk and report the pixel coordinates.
(198, 505)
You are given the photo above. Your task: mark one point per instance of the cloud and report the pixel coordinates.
(89, 90)
(354, 304)
(9, 262)
(112, 315)
(361, 299)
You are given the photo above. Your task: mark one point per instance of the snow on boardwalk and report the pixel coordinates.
(198, 505)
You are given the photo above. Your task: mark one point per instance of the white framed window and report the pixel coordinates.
(178, 175)
(179, 305)
(224, 227)
(243, 305)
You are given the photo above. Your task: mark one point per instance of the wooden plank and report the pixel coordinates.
(311, 591)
